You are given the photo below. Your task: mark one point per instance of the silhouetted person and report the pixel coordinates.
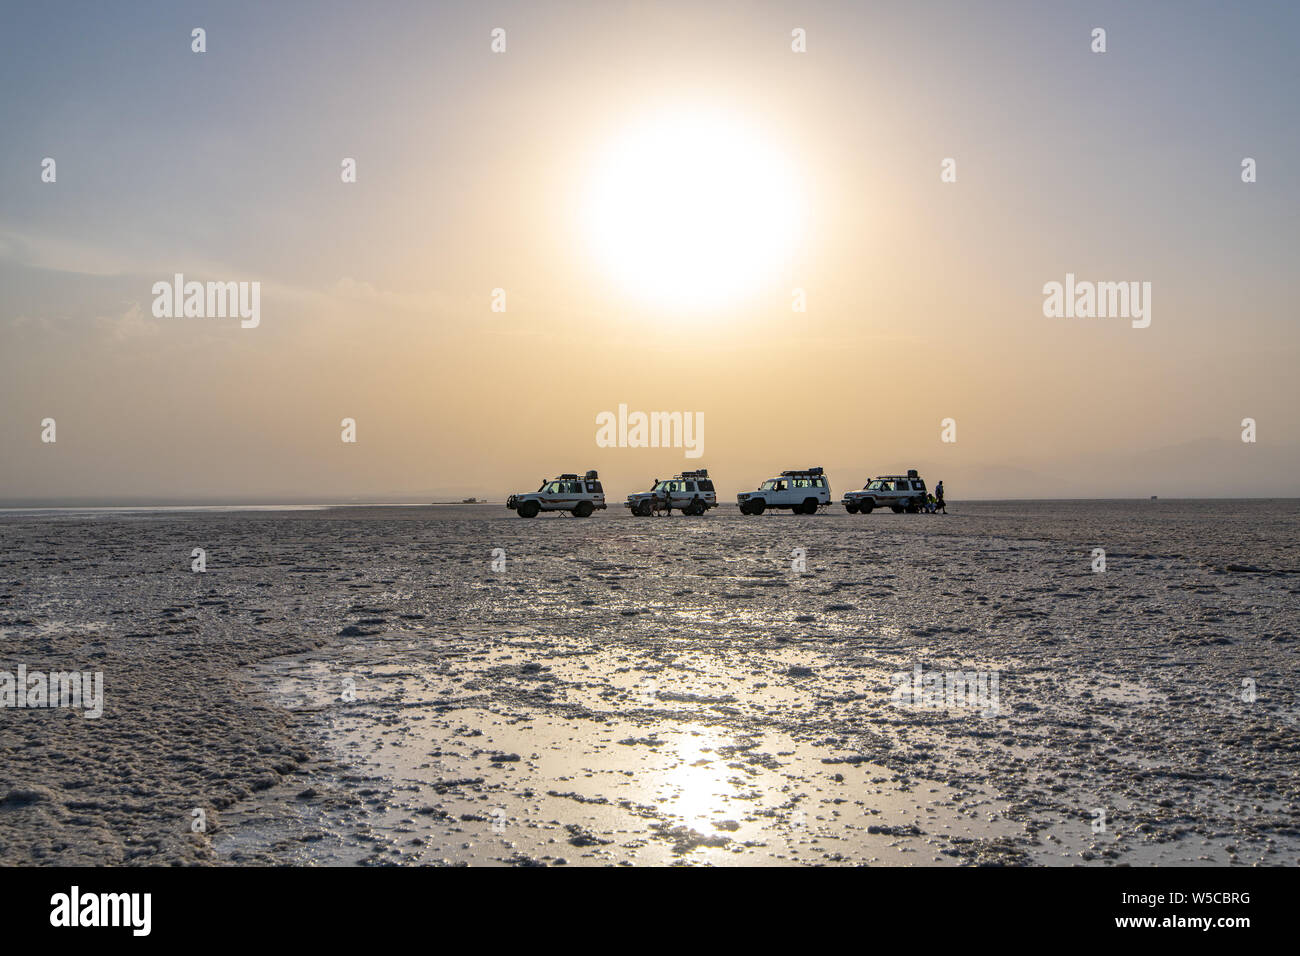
(938, 498)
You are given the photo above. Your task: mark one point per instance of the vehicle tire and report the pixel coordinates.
(896, 509)
(756, 507)
(583, 509)
(865, 507)
(643, 509)
(809, 506)
(529, 509)
(695, 508)
(851, 509)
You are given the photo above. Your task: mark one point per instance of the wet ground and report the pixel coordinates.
(454, 685)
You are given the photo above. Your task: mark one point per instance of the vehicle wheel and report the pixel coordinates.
(756, 507)
(583, 509)
(529, 509)
(866, 506)
(896, 509)
(695, 509)
(810, 506)
(643, 509)
(851, 509)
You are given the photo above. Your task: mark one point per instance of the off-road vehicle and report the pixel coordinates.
(578, 496)
(802, 491)
(691, 493)
(898, 493)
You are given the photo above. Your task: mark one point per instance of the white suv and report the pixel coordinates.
(898, 493)
(803, 492)
(578, 496)
(691, 493)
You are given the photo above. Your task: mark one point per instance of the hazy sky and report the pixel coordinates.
(648, 183)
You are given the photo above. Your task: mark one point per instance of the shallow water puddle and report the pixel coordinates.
(492, 782)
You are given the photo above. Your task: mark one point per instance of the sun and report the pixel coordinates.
(692, 210)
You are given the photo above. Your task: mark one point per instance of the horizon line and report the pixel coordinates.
(326, 505)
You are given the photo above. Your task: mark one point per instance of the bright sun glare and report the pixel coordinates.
(693, 211)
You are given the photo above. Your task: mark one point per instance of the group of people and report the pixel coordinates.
(934, 502)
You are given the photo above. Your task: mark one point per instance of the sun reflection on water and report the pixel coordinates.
(695, 787)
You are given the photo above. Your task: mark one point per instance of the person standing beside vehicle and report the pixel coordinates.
(938, 498)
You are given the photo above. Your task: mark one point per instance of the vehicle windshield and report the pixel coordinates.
(769, 485)
(663, 486)
(879, 485)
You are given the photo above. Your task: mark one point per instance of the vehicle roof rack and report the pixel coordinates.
(797, 472)
(698, 473)
(592, 473)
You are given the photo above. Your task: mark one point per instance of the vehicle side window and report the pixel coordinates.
(900, 486)
(690, 486)
(821, 482)
(918, 486)
(597, 488)
(706, 485)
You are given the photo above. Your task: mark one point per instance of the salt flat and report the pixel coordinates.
(361, 686)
